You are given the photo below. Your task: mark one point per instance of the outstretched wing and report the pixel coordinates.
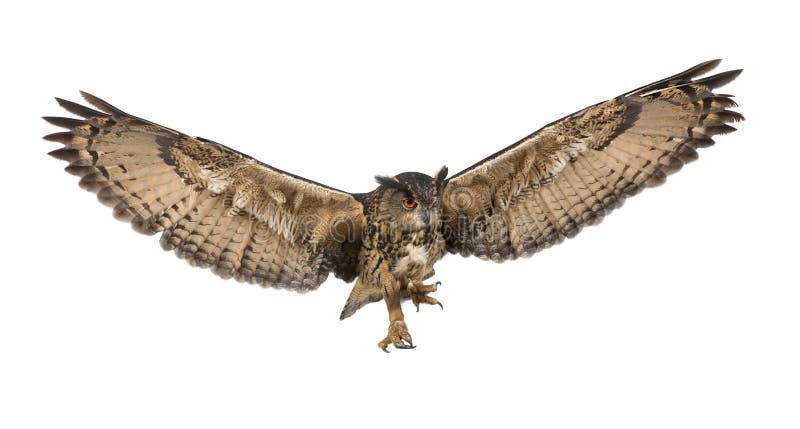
(574, 171)
(214, 206)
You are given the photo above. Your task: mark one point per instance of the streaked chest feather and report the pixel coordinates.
(413, 258)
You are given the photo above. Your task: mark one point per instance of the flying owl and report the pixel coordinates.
(221, 209)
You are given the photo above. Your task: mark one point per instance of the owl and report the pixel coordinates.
(223, 210)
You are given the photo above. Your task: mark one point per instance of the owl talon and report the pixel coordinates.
(406, 346)
(398, 336)
(423, 289)
(419, 294)
(423, 298)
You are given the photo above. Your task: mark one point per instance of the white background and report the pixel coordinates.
(680, 310)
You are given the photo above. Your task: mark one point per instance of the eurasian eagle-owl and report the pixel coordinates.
(221, 209)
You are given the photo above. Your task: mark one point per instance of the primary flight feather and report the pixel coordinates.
(221, 209)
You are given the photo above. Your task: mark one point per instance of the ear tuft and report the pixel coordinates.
(391, 182)
(439, 179)
(441, 174)
(385, 180)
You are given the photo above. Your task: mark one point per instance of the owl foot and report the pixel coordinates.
(398, 336)
(419, 294)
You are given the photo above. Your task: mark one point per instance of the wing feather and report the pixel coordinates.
(576, 170)
(215, 207)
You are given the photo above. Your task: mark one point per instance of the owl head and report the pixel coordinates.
(413, 200)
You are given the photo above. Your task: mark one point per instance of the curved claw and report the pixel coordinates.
(420, 296)
(398, 337)
(405, 342)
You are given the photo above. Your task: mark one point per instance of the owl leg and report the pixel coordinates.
(418, 293)
(398, 331)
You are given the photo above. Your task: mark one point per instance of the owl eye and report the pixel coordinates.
(409, 203)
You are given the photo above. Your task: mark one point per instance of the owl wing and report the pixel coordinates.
(574, 171)
(215, 207)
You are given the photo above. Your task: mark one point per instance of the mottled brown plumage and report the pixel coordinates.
(574, 171)
(220, 209)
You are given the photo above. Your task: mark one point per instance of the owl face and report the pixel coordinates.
(412, 201)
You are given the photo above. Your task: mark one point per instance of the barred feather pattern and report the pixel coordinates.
(215, 207)
(574, 171)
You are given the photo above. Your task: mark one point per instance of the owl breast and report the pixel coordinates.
(411, 261)
(415, 259)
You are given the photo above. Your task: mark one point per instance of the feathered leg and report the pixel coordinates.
(398, 331)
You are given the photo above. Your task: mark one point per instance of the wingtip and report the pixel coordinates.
(703, 68)
(59, 121)
(733, 74)
(77, 109)
(89, 97)
(712, 64)
(720, 79)
(59, 137)
(99, 103)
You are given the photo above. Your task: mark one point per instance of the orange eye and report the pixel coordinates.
(409, 204)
